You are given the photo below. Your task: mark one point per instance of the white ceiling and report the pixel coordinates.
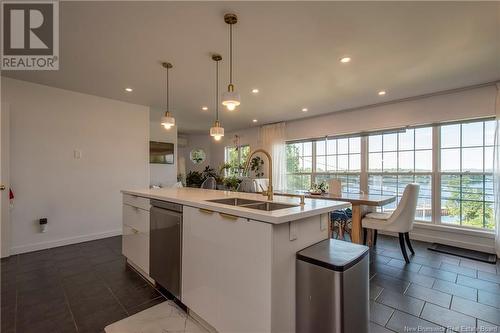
(288, 50)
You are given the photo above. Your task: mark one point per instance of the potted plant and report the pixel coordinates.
(232, 182)
(194, 179)
(319, 188)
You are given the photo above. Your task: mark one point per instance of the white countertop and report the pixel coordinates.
(196, 197)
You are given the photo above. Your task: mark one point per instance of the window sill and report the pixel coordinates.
(455, 230)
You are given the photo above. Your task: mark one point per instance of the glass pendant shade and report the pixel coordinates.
(167, 120)
(231, 99)
(217, 131)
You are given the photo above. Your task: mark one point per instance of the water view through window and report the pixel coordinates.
(453, 163)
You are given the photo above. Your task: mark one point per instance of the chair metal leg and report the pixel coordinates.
(403, 247)
(407, 238)
(375, 237)
(364, 236)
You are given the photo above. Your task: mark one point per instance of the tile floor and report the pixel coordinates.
(161, 318)
(87, 286)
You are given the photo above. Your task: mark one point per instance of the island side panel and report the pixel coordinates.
(226, 277)
(306, 232)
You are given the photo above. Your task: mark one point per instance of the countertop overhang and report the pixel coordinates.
(196, 197)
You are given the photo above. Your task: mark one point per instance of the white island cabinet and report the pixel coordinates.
(238, 263)
(135, 240)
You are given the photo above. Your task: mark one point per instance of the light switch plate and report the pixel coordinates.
(77, 154)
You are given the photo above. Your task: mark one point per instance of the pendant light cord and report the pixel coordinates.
(167, 92)
(217, 90)
(231, 54)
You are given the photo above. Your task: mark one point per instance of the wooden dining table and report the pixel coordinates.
(357, 200)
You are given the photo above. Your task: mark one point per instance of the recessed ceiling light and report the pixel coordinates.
(345, 60)
(381, 93)
(255, 91)
(305, 110)
(129, 89)
(204, 108)
(255, 120)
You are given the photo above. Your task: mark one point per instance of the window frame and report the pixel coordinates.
(435, 172)
(461, 173)
(226, 149)
(314, 173)
(398, 173)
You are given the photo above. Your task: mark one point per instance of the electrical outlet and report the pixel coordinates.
(77, 154)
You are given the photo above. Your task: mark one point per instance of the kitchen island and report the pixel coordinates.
(238, 253)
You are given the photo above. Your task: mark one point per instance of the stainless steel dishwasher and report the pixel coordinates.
(166, 245)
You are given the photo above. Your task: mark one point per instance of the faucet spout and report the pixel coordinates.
(269, 191)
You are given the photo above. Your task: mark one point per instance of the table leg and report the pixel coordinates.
(357, 230)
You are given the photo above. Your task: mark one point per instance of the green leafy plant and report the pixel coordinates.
(256, 166)
(194, 179)
(319, 187)
(209, 172)
(232, 182)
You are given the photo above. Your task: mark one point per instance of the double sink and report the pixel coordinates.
(253, 204)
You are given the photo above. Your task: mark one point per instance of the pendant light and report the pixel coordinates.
(231, 98)
(217, 131)
(167, 120)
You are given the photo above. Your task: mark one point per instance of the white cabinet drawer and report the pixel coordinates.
(136, 218)
(136, 201)
(135, 246)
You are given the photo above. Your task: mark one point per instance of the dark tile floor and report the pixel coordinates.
(435, 292)
(86, 286)
(76, 288)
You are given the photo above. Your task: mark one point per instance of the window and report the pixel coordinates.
(319, 160)
(397, 159)
(466, 174)
(236, 158)
(299, 165)
(453, 163)
(339, 158)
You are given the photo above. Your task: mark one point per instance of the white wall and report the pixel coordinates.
(467, 104)
(162, 174)
(199, 141)
(80, 197)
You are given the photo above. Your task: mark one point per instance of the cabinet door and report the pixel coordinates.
(136, 247)
(227, 270)
(136, 218)
(135, 239)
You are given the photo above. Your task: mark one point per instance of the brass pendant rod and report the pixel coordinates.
(217, 90)
(231, 54)
(167, 92)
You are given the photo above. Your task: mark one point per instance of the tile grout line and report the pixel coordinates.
(390, 317)
(109, 288)
(66, 299)
(422, 310)
(117, 300)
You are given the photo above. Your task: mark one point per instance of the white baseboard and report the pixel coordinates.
(444, 235)
(62, 242)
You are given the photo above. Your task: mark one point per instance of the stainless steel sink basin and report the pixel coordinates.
(253, 204)
(269, 206)
(235, 201)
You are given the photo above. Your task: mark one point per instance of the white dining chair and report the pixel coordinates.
(210, 183)
(400, 221)
(261, 184)
(334, 187)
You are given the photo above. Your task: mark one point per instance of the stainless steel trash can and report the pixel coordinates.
(332, 288)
